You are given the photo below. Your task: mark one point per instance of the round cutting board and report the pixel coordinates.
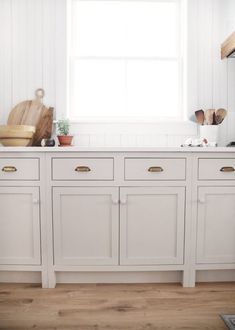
(28, 112)
(33, 113)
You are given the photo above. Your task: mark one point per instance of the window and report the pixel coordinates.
(125, 60)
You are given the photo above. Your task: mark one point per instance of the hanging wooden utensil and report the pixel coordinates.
(200, 116)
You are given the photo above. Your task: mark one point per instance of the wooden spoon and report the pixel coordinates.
(220, 114)
(200, 116)
(209, 113)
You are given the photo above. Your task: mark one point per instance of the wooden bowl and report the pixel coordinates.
(16, 135)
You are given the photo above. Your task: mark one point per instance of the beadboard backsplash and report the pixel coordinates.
(33, 54)
(135, 134)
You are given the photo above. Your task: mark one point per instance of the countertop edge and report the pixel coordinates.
(118, 149)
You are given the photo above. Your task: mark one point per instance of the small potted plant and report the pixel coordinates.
(63, 132)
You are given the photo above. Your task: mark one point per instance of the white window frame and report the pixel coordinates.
(182, 61)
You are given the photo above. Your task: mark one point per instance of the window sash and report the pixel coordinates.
(179, 58)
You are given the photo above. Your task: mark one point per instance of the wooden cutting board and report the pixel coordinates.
(44, 126)
(27, 112)
(33, 113)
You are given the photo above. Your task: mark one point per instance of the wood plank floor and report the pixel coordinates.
(115, 306)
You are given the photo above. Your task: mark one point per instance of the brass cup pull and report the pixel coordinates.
(82, 169)
(227, 169)
(9, 169)
(155, 169)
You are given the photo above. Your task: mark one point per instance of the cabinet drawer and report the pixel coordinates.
(19, 169)
(216, 169)
(155, 168)
(82, 168)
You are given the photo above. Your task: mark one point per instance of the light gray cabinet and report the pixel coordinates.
(86, 224)
(152, 225)
(19, 226)
(216, 225)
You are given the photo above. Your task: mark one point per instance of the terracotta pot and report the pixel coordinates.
(65, 140)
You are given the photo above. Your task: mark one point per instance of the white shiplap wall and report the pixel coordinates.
(33, 54)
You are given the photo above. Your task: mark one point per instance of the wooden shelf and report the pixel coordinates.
(228, 47)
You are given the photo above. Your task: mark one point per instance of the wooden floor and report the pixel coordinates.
(115, 306)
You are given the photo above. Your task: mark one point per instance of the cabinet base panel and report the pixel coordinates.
(215, 275)
(117, 277)
(20, 277)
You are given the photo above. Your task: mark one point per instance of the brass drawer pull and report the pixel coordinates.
(9, 169)
(155, 169)
(82, 169)
(227, 169)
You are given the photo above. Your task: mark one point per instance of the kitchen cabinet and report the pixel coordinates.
(19, 226)
(152, 225)
(117, 215)
(86, 225)
(216, 225)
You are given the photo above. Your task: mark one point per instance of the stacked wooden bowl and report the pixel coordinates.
(16, 135)
(28, 123)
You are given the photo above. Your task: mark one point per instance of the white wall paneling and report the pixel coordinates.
(5, 59)
(230, 27)
(60, 57)
(33, 54)
(220, 68)
(204, 53)
(26, 48)
(49, 50)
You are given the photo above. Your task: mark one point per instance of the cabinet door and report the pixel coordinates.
(85, 225)
(19, 226)
(216, 225)
(152, 225)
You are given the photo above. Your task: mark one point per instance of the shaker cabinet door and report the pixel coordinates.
(85, 221)
(19, 226)
(216, 225)
(152, 225)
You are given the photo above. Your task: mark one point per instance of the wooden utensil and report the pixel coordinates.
(220, 114)
(34, 113)
(209, 113)
(200, 116)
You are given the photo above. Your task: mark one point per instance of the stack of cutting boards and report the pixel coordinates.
(33, 113)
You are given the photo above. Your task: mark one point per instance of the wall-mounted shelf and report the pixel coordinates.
(228, 47)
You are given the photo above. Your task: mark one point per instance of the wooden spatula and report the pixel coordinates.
(220, 114)
(209, 113)
(200, 116)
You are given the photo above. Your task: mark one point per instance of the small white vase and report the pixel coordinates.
(210, 133)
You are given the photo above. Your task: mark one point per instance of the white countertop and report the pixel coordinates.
(118, 149)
